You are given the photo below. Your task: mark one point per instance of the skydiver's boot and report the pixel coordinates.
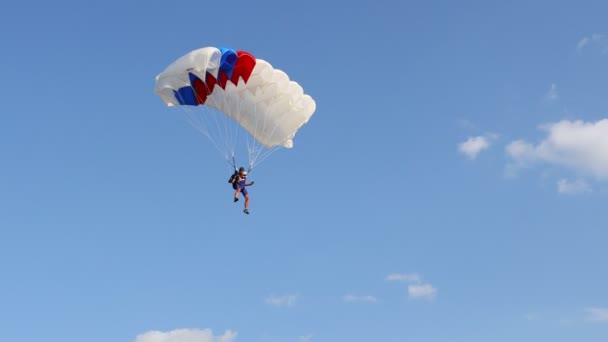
(236, 199)
(246, 211)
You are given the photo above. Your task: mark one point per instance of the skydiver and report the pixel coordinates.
(239, 182)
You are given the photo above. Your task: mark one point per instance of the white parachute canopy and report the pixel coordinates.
(224, 91)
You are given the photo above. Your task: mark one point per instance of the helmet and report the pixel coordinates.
(242, 170)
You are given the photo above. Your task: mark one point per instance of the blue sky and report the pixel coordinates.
(451, 184)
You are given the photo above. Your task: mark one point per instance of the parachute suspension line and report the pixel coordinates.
(237, 118)
(258, 152)
(204, 118)
(207, 114)
(231, 125)
(253, 146)
(240, 111)
(229, 135)
(271, 150)
(231, 165)
(226, 129)
(223, 130)
(266, 154)
(220, 125)
(228, 125)
(251, 142)
(212, 123)
(199, 126)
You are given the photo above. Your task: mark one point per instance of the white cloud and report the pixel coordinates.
(577, 145)
(597, 314)
(404, 278)
(474, 145)
(349, 298)
(552, 95)
(596, 40)
(582, 43)
(421, 291)
(286, 300)
(186, 335)
(521, 152)
(306, 338)
(578, 186)
(416, 289)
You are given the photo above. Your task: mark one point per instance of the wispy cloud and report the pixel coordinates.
(421, 291)
(416, 289)
(582, 43)
(596, 40)
(186, 335)
(474, 145)
(552, 95)
(404, 277)
(286, 300)
(306, 338)
(575, 145)
(597, 314)
(568, 187)
(350, 298)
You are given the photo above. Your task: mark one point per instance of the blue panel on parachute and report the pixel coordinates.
(185, 96)
(228, 61)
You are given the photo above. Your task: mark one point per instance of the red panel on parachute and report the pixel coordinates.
(200, 90)
(211, 81)
(243, 68)
(222, 79)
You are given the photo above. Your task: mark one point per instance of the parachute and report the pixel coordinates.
(231, 97)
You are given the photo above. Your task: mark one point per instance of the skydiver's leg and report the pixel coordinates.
(236, 194)
(246, 194)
